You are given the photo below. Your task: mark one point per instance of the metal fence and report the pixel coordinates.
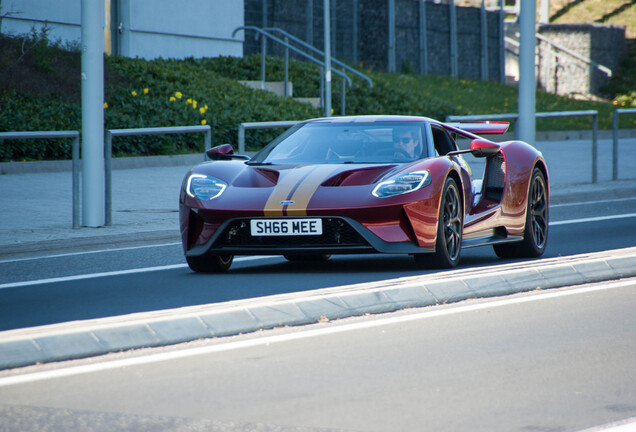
(75, 137)
(615, 116)
(108, 152)
(515, 117)
(260, 125)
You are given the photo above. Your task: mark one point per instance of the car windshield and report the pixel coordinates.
(324, 143)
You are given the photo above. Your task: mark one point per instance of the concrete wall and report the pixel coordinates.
(603, 44)
(138, 28)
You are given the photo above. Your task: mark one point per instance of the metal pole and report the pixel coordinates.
(527, 77)
(310, 22)
(343, 91)
(453, 37)
(423, 40)
(391, 53)
(93, 112)
(76, 182)
(327, 31)
(615, 145)
(108, 166)
(502, 46)
(286, 91)
(484, 41)
(355, 32)
(241, 138)
(263, 45)
(595, 148)
(207, 139)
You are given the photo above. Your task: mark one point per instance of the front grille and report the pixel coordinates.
(336, 233)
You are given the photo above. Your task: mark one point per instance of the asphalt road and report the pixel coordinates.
(544, 361)
(63, 288)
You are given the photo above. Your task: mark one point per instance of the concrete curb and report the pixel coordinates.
(159, 328)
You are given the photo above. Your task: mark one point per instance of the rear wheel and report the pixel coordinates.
(450, 225)
(535, 234)
(210, 263)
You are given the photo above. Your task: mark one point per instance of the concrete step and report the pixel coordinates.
(276, 87)
(315, 102)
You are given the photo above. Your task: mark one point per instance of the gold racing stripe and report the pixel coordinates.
(302, 195)
(289, 179)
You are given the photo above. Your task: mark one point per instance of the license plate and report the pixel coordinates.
(285, 227)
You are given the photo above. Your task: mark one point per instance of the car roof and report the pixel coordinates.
(370, 119)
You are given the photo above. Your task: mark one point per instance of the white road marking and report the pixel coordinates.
(323, 331)
(593, 219)
(115, 273)
(89, 252)
(592, 202)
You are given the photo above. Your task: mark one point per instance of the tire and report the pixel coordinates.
(450, 224)
(210, 263)
(535, 233)
(306, 257)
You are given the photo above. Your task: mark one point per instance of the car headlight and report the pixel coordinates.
(204, 187)
(402, 184)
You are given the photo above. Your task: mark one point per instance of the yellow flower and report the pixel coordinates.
(206, 107)
(204, 122)
(615, 102)
(172, 99)
(105, 105)
(146, 90)
(623, 103)
(178, 95)
(194, 104)
(202, 110)
(189, 101)
(134, 93)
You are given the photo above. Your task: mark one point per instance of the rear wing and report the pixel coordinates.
(482, 128)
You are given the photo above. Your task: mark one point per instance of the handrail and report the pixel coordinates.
(108, 153)
(322, 53)
(607, 71)
(282, 42)
(515, 117)
(75, 136)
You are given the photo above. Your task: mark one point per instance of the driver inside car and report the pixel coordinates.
(406, 143)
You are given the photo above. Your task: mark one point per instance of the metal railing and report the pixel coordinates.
(75, 136)
(260, 125)
(108, 152)
(288, 46)
(515, 117)
(615, 115)
(319, 52)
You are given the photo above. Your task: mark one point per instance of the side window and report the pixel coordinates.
(442, 141)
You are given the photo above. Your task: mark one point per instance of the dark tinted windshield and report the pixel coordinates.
(322, 143)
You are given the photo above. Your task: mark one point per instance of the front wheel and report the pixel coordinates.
(210, 263)
(535, 234)
(450, 226)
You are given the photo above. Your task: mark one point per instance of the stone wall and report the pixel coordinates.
(563, 75)
(304, 19)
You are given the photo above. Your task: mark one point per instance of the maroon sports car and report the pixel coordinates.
(366, 184)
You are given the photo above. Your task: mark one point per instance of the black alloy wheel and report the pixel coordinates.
(535, 234)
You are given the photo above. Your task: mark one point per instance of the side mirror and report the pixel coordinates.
(224, 152)
(483, 148)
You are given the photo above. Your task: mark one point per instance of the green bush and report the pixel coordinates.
(40, 90)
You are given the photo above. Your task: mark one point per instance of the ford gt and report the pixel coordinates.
(367, 184)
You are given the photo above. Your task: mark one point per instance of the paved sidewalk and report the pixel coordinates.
(36, 207)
